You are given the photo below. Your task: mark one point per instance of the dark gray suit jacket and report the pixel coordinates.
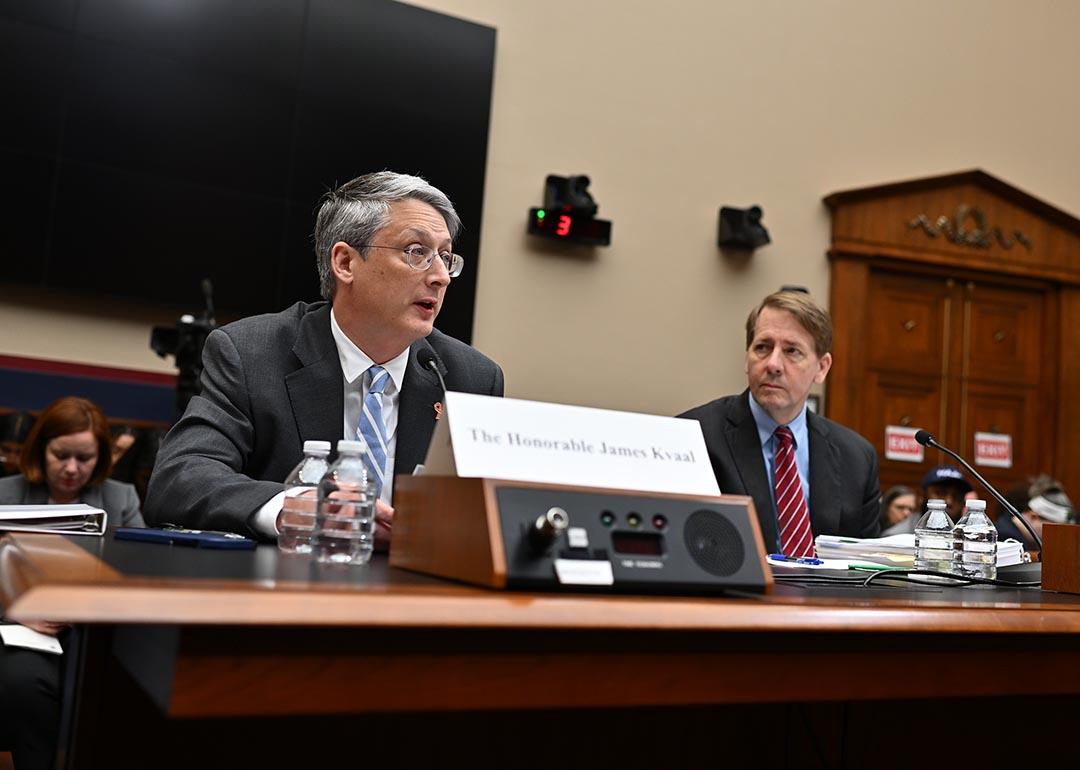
(117, 498)
(270, 383)
(844, 485)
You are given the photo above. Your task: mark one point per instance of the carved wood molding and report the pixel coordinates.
(954, 230)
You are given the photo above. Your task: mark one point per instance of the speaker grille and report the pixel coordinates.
(714, 543)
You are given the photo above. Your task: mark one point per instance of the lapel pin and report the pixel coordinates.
(438, 409)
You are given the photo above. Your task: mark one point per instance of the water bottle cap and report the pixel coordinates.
(935, 503)
(344, 446)
(976, 505)
(317, 448)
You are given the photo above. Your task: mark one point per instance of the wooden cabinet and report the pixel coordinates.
(958, 325)
(956, 357)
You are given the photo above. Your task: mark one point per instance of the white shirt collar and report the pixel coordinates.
(767, 426)
(354, 361)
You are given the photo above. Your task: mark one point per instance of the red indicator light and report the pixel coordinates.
(564, 225)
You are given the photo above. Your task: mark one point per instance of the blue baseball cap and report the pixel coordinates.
(946, 474)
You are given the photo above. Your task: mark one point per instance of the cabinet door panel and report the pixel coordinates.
(906, 400)
(1013, 411)
(1004, 335)
(908, 322)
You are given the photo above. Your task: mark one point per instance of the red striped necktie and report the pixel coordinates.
(796, 538)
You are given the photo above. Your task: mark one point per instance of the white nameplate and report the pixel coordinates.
(584, 572)
(21, 636)
(505, 438)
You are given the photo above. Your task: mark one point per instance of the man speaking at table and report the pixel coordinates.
(383, 247)
(806, 474)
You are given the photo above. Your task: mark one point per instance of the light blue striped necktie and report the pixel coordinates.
(371, 428)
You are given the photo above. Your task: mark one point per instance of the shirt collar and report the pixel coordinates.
(354, 361)
(766, 425)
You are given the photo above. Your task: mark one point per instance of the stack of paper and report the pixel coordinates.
(897, 550)
(75, 519)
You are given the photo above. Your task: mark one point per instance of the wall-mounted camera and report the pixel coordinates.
(741, 228)
(569, 213)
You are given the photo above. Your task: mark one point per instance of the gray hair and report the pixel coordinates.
(354, 212)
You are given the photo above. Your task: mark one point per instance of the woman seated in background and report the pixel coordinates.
(898, 511)
(66, 459)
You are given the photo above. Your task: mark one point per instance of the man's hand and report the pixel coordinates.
(384, 521)
(47, 627)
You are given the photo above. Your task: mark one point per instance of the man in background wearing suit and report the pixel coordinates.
(383, 247)
(806, 474)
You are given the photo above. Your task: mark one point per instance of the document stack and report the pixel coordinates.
(898, 550)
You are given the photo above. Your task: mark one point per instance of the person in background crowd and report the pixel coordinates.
(947, 483)
(136, 463)
(1040, 499)
(14, 426)
(66, 459)
(124, 437)
(898, 509)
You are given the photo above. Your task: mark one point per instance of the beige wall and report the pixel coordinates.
(675, 108)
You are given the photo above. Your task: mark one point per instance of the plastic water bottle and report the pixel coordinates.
(934, 544)
(345, 522)
(975, 542)
(296, 522)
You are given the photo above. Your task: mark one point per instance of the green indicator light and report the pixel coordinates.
(540, 214)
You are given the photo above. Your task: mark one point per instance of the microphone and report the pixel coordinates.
(428, 360)
(926, 439)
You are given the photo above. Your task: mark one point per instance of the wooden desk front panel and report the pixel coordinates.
(396, 642)
(222, 673)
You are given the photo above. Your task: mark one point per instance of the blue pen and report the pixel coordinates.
(796, 559)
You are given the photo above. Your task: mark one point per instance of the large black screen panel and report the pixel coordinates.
(59, 14)
(135, 110)
(159, 240)
(155, 144)
(25, 228)
(297, 279)
(257, 40)
(33, 72)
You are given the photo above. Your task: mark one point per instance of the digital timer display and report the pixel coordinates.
(638, 543)
(569, 226)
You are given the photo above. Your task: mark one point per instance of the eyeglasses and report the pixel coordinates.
(421, 257)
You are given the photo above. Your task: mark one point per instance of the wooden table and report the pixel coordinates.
(260, 638)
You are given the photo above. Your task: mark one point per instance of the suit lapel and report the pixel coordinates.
(317, 389)
(94, 496)
(824, 477)
(416, 412)
(742, 437)
(36, 494)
